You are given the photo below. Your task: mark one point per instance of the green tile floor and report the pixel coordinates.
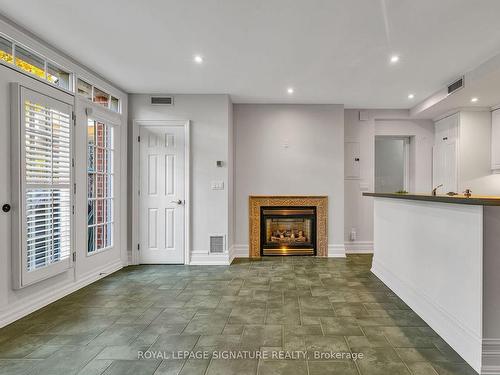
(285, 304)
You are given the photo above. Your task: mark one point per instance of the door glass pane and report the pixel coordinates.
(389, 165)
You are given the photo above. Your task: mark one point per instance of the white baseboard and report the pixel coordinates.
(23, 308)
(336, 251)
(490, 359)
(359, 247)
(204, 258)
(240, 251)
(459, 337)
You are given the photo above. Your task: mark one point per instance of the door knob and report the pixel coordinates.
(6, 207)
(178, 201)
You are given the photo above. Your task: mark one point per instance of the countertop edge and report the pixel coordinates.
(476, 201)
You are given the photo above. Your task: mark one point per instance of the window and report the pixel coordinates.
(100, 97)
(6, 51)
(99, 186)
(97, 95)
(34, 64)
(58, 77)
(84, 89)
(45, 177)
(30, 62)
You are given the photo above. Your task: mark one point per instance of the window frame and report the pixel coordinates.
(108, 123)
(93, 88)
(46, 61)
(21, 276)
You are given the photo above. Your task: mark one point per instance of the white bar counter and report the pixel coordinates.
(441, 256)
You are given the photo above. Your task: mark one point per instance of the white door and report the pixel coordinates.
(162, 194)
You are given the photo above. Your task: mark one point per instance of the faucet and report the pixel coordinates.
(434, 191)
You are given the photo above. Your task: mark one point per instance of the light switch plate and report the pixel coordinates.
(217, 185)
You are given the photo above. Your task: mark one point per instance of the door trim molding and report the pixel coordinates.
(186, 124)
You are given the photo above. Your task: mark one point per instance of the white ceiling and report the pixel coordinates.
(330, 51)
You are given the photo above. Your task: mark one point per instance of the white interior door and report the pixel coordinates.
(162, 194)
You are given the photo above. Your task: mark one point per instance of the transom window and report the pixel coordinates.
(96, 95)
(100, 186)
(34, 64)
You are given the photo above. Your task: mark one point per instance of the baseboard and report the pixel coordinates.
(336, 251)
(359, 247)
(204, 258)
(240, 251)
(464, 341)
(490, 359)
(20, 310)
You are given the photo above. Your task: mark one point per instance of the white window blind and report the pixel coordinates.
(45, 148)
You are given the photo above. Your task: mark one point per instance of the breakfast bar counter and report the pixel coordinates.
(441, 255)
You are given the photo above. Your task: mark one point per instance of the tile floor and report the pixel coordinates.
(278, 306)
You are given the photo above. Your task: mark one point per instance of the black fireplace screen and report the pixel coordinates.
(288, 230)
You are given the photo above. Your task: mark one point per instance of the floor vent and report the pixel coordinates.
(216, 244)
(162, 100)
(457, 85)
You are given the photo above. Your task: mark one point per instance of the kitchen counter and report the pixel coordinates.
(441, 256)
(458, 199)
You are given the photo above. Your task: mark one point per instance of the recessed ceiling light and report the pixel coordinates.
(411, 96)
(394, 59)
(198, 59)
(474, 100)
(290, 90)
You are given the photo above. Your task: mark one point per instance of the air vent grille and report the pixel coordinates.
(216, 244)
(457, 85)
(162, 100)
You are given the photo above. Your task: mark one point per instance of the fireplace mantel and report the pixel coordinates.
(318, 201)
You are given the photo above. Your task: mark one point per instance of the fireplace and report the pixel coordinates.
(288, 230)
(313, 222)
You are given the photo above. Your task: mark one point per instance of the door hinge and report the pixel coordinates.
(74, 188)
(73, 117)
(74, 256)
(138, 138)
(73, 162)
(138, 247)
(73, 209)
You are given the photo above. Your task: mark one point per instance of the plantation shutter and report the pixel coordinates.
(45, 145)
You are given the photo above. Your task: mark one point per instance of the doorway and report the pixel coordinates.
(163, 192)
(391, 164)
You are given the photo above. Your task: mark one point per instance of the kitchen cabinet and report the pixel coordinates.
(461, 152)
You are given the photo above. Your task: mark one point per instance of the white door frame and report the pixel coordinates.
(136, 183)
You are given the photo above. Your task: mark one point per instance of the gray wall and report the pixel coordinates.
(210, 141)
(288, 150)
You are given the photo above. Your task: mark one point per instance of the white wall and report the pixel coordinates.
(359, 209)
(210, 141)
(289, 150)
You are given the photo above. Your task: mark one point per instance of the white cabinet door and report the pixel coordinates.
(446, 130)
(444, 171)
(495, 140)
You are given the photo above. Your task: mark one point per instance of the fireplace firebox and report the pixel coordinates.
(288, 230)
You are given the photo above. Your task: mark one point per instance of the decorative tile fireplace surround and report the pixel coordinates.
(259, 204)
